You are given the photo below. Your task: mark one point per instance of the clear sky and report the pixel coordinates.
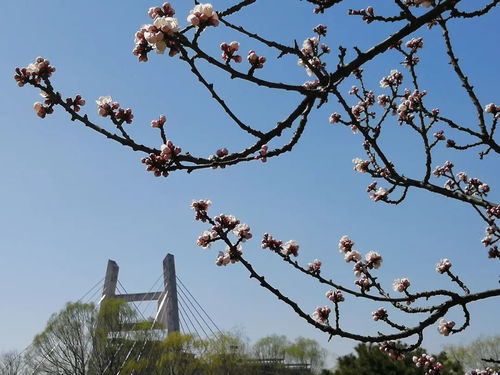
(70, 199)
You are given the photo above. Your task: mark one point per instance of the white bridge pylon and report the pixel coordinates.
(168, 309)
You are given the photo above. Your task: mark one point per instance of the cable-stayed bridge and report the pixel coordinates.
(168, 306)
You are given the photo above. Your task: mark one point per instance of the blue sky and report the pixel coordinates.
(70, 199)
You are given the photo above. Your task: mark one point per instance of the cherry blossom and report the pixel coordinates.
(334, 118)
(361, 165)
(345, 244)
(379, 195)
(394, 79)
(242, 231)
(201, 208)
(352, 256)
(160, 122)
(380, 314)
(373, 259)
(486, 371)
(445, 328)
(427, 362)
(256, 61)
(335, 296)
(363, 283)
(321, 314)
(268, 242)
(389, 347)
(228, 50)
(206, 239)
(225, 222)
(165, 10)
(230, 255)
(262, 154)
(415, 43)
(401, 285)
(443, 266)
(169, 150)
(203, 15)
(40, 109)
(314, 267)
(290, 248)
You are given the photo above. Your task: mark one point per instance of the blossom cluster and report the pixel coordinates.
(401, 285)
(443, 266)
(486, 371)
(230, 255)
(203, 15)
(200, 208)
(225, 222)
(428, 363)
(221, 226)
(443, 170)
(311, 85)
(424, 3)
(206, 238)
(361, 165)
(242, 231)
(76, 103)
(493, 109)
(462, 182)
(389, 347)
(367, 13)
(107, 107)
(312, 50)
(372, 260)
(345, 244)
(445, 327)
(394, 79)
(228, 52)
(334, 118)
(36, 71)
(493, 252)
(379, 195)
(314, 267)
(220, 153)
(47, 107)
(268, 242)
(287, 249)
(256, 61)
(160, 122)
(290, 248)
(335, 296)
(492, 236)
(262, 154)
(159, 35)
(158, 164)
(410, 103)
(321, 314)
(363, 105)
(380, 314)
(415, 43)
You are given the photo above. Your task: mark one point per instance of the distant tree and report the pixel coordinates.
(305, 350)
(10, 363)
(370, 360)
(82, 339)
(273, 346)
(118, 336)
(225, 354)
(65, 346)
(176, 355)
(485, 351)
